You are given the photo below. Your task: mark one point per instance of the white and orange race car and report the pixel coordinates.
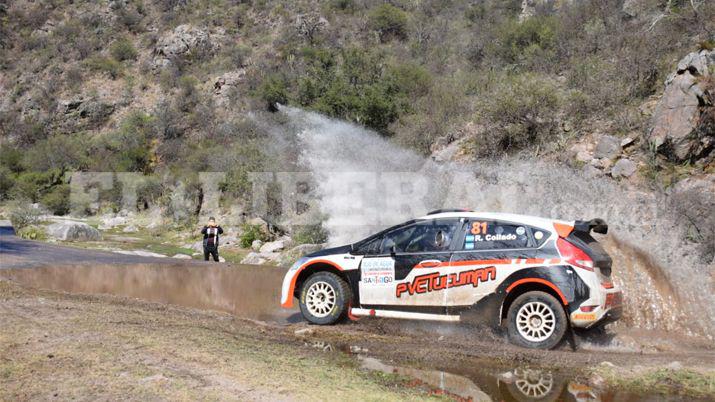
(532, 275)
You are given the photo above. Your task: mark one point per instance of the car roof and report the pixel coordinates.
(544, 223)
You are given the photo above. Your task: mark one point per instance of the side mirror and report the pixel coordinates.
(393, 250)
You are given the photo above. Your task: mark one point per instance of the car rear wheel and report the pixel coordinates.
(536, 320)
(324, 298)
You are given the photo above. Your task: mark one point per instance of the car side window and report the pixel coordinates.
(428, 236)
(370, 247)
(495, 235)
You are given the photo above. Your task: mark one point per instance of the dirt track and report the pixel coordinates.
(461, 350)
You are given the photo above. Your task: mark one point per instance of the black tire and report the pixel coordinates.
(339, 309)
(543, 301)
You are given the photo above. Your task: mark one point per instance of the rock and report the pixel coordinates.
(304, 331)
(674, 125)
(602, 164)
(584, 156)
(608, 364)
(626, 142)
(273, 246)
(73, 231)
(262, 224)
(254, 258)
(196, 246)
(181, 256)
(591, 171)
(357, 349)
(130, 229)
(256, 245)
(183, 42)
(228, 240)
(608, 147)
(110, 222)
(141, 253)
(223, 84)
(675, 365)
(221, 259)
(624, 168)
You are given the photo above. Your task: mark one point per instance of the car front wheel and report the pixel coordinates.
(536, 320)
(324, 298)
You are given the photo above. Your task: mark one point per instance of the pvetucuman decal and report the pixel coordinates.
(534, 276)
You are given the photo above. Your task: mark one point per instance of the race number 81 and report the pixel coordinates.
(479, 228)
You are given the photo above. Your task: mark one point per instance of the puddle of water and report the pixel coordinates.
(250, 292)
(479, 384)
(520, 384)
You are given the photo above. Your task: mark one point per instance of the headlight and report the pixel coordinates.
(298, 264)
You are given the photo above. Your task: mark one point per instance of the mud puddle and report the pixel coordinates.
(522, 384)
(245, 291)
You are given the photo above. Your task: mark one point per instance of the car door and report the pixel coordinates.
(405, 268)
(487, 253)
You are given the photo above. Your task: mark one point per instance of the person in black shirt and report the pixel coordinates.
(211, 233)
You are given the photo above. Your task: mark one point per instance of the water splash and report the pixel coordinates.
(655, 264)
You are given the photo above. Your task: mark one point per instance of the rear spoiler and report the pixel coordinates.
(597, 225)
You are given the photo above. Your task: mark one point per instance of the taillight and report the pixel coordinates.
(587, 309)
(574, 255)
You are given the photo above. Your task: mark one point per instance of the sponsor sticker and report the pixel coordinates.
(377, 271)
(585, 317)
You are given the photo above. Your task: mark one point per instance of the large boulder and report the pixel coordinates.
(674, 126)
(274, 246)
(73, 231)
(183, 42)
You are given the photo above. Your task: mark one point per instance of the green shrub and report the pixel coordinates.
(32, 185)
(249, 233)
(128, 149)
(58, 152)
(123, 49)
(57, 199)
(104, 65)
(389, 21)
(11, 158)
(523, 111)
(32, 232)
(23, 214)
(273, 90)
(529, 38)
(7, 182)
(410, 79)
(310, 234)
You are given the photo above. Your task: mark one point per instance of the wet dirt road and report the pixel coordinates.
(458, 360)
(249, 291)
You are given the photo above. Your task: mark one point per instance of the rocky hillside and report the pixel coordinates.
(169, 88)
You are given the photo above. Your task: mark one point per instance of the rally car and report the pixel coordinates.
(531, 275)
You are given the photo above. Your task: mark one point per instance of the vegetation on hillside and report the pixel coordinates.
(87, 85)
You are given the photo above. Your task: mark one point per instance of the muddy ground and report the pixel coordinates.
(55, 344)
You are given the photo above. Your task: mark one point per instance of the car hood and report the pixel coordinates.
(329, 251)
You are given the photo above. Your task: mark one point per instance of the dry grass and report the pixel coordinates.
(74, 347)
